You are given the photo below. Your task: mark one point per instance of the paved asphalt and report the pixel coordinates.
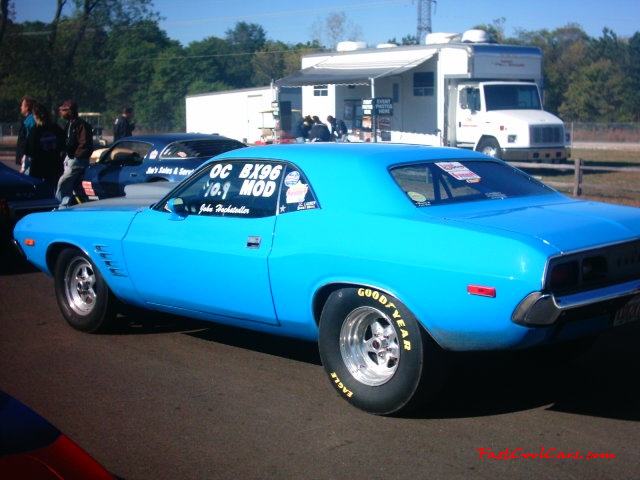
(167, 398)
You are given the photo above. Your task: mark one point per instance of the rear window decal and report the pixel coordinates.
(459, 171)
(297, 193)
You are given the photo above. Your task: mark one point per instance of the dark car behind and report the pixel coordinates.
(20, 195)
(168, 157)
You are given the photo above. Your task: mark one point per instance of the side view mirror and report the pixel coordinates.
(177, 208)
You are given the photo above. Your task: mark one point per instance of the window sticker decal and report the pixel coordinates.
(291, 179)
(417, 197)
(307, 205)
(297, 193)
(459, 171)
(153, 155)
(259, 179)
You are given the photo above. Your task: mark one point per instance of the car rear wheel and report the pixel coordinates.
(376, 354)
(82, 294)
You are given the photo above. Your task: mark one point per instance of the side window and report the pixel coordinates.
(423, 84)
(296, 194)
(233, 189)
(128, 152)
(470, 99)
(320, 91)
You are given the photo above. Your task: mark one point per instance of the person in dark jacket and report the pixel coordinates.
(124, 126)
(319, 132)
(44, 147)
(27, 123)
(338, 129)
(79, 146)
(301, 129)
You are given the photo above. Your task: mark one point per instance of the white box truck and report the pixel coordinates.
(456, 90)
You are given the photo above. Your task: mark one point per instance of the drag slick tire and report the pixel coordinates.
(84, 298)
(376, 354)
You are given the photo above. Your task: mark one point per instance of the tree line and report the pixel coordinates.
(106, 54)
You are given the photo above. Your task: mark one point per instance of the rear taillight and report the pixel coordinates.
(565, 275)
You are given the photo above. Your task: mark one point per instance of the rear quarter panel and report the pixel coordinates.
(426, 264)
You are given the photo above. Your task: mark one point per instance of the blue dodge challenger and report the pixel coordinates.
(386, 255)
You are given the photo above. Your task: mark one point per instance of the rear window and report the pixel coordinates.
(198, 148)
(436, 183)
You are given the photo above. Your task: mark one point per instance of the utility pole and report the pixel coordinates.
(424, 19)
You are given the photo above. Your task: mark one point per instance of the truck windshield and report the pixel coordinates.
(512, 97)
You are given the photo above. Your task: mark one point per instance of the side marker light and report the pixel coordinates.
(481, 291)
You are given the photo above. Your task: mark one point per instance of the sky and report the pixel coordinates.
(377, 21)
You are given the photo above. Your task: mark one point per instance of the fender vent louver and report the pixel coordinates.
(109, 260)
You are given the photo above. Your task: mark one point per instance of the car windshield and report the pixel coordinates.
(198, 148)
(446, 182)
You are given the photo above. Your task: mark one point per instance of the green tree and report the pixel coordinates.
(162, 101)
(244, 40)
(134, 54)
(4, 17)
(206, 64)
(633, 72)
(564, 51)
(269, 63)
(61, 59)
(595, 94)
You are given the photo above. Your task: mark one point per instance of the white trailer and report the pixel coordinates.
(246, 115)
(456, 92)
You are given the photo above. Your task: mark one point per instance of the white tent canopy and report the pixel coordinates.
(357, 68)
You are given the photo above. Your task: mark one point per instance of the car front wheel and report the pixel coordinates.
(376, 354)
(82, 294)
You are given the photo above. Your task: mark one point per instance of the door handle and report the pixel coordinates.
(253, 241)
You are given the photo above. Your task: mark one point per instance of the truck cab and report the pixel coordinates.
(505, 120)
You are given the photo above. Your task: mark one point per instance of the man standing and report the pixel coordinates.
(338, 129)
(78, 150)
(124, 125)
(27, 123)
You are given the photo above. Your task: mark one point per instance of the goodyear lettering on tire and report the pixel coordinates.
(386, 303)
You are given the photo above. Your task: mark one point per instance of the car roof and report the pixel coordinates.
(355, 174)
(341, 154)
(167, 138)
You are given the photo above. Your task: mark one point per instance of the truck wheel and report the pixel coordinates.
(489, 146)
(84, 298)
(376, 354)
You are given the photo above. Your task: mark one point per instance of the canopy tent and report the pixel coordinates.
(357, 68)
